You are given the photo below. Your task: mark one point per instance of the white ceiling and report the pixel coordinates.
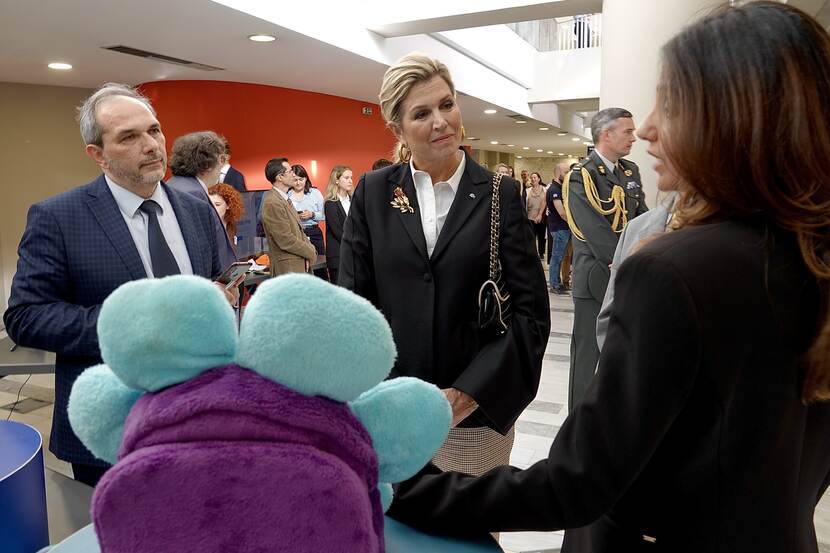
(34, 33)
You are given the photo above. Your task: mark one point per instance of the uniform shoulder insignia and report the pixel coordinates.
(628, 167)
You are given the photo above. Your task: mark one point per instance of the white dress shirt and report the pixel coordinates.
(283, 194)
(205, 188)
(223, 172)
(129, 204)
(435, 200)
(608, 163)
(346, 202)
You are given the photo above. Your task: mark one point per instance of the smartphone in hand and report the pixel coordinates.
(234, 274)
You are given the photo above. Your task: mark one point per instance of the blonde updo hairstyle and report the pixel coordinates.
(412, 69)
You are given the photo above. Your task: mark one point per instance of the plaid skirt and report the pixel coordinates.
(474, 450)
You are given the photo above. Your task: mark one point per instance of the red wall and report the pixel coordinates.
(262, 122)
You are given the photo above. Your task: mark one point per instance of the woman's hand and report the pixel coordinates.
(306, 215)
(461, 403)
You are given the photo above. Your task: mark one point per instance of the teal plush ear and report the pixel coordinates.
(315, 338)
(408, 420)
(155, 333)
(98, 406)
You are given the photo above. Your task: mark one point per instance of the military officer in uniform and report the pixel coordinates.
(601, 194)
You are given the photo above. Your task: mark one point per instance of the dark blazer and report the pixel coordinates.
(692, 432)
(335, 221)
(431, 303)
(592, 256)
(75, 251)
(192, 186)
(235, 179)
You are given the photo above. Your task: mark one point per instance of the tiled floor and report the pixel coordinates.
(538, 425)
(535, 429)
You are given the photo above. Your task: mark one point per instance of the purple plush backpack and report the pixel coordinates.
(235, 460)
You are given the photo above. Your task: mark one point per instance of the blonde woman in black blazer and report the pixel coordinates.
(419, 252)
(336, 209)
(706, 426)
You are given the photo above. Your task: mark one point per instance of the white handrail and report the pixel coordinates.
(579, 31)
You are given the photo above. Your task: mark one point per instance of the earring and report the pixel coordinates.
(403, 153)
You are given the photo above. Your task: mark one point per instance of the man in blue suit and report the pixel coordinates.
(81, 245)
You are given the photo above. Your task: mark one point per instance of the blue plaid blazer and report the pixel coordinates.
(75, 251)
(190, 185)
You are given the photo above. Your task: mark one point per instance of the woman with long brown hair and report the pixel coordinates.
(705, 427)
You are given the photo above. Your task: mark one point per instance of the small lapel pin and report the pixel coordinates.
(472, 195)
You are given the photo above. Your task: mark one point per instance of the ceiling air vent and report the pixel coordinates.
(162, 58)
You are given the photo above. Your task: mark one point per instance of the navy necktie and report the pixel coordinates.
(161, 258)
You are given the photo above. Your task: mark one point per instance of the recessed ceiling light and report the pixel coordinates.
(262, 38)
(575, 139)
(544, 128)
(540, 151)
(60, 66)
(518, 157)
(489, 111)
(494, 142)
(561, 134)
(560, 154)
(520, 121)
(588, 143)
(511, 145)
(550, 152)
(525, 147)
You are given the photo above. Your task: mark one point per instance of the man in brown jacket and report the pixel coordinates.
(290, 251)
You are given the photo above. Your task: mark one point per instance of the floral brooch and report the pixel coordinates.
(400, 201)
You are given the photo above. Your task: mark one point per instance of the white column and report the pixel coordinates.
(633, 31)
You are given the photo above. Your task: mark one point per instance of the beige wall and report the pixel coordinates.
(43, 154)
(542, 165)
(632, 35)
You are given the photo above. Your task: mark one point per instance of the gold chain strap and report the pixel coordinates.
(495, 211)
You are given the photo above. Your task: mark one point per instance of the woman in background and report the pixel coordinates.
(229, 206)
(705, 428)
(536, 211)
(337, 205)
(308, 201)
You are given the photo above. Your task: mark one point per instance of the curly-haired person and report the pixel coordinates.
(228, 204)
